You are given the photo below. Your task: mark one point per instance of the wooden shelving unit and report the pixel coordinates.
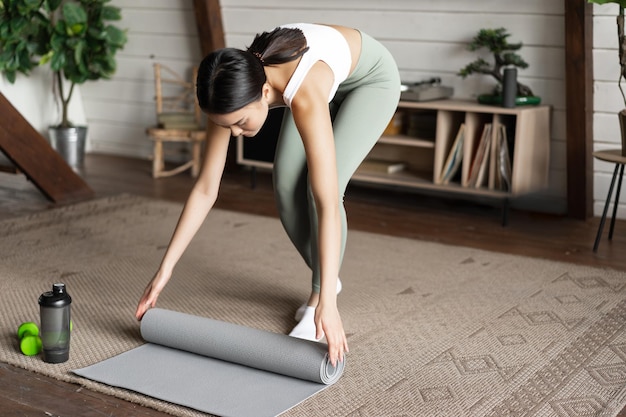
(424, 148)
(427, 133)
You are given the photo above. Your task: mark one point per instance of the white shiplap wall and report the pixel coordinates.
(607, 102)
(427, 39)
(119, 110)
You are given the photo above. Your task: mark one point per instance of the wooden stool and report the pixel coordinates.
(178, 120)
(614, 156)
(158, 158)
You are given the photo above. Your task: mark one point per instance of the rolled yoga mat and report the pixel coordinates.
(218, 367)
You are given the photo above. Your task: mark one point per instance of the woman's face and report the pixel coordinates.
(246, 121)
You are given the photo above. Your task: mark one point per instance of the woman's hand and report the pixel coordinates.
(151, 293)
(328, 322)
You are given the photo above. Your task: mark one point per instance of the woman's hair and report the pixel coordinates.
(229, 78)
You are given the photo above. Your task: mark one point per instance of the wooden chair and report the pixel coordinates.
(617, 157)
(179, 120)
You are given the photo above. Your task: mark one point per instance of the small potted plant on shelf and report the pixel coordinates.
(621, 43)
(75, 38)
(504, 55)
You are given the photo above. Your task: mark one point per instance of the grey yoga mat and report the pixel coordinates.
(217, 367)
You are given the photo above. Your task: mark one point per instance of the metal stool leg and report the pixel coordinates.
(505, 212)
(253, 178)
(606, 208)
(619, 187)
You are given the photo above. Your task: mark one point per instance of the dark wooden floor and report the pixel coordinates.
(394, 213)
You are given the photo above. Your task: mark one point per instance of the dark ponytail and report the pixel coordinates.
(229, 78)
(279, 46)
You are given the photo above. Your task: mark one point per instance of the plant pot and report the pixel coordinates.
(69, 142)
(496, 100)
(622, 127)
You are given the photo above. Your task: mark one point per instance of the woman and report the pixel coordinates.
(341, 88)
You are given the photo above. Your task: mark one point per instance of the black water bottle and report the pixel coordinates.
(509, 87)
(55, 310)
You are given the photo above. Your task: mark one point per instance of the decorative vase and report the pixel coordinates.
(622, 126)
(69, 142)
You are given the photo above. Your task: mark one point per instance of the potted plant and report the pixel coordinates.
(75, 38)
(505, 55)
(621, 42)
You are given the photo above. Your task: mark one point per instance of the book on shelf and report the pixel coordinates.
(480, 163)
(455, 157)
(381, 166)
(493, 180)
(502, 163)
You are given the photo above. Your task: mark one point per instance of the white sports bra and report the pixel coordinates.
(325, 44)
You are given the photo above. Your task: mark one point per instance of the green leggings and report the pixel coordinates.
(361, 110)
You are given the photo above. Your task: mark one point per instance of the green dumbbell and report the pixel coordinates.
(30, 342)
(26, 329)
(31, 345)
(28, 335)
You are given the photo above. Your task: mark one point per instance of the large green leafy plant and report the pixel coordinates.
(74, 36)
(621, 39)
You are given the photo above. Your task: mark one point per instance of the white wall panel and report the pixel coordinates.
(159, 47)
(163, 21)
(607, 97)
(119, 110)
(604, 32)
(437, 27)
(539, 7)
(121, 140)
(606, 129)
(155, 4)
(608, 68)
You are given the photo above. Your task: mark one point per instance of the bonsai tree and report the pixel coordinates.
(504, 54)
(73, 36)
(621, 39)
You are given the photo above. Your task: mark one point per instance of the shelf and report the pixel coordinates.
(404, 140)
(410, 179)
(405, 177)
(464, 106)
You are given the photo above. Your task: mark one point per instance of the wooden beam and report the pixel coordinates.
(33, 155)
(211, 36)
(209, 23)
(579, 104)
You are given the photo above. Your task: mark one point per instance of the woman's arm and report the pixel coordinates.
(199, 203)
(312, 118)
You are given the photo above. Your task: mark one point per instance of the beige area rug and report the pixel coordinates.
(434, 330)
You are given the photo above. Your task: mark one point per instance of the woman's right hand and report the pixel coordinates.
(151, 293)
(198, 205)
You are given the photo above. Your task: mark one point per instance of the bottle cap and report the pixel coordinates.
(57, 298)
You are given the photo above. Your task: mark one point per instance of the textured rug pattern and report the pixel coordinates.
(433, 330)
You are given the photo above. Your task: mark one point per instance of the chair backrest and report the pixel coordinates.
(176, 101)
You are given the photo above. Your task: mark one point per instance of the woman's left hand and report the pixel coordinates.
(328, 322)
